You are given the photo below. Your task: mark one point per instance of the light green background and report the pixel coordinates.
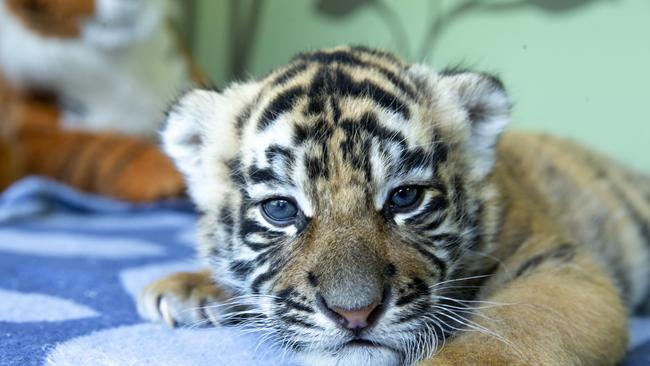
(583, 72)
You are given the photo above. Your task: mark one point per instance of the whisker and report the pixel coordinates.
(459, 279)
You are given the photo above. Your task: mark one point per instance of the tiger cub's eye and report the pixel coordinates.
(405, 198)
(279, 211)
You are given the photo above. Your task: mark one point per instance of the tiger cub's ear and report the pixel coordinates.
(484, 106)
(201, 136)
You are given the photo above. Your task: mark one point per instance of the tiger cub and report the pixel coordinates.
(364, 211)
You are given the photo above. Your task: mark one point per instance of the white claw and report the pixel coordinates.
(165, 311)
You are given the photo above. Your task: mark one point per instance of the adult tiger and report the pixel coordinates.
(83, 89)
(366, 211)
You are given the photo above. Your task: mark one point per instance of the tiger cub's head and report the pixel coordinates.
(339, 192)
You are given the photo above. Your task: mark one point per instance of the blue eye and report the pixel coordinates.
(279, 211)
(405, 198)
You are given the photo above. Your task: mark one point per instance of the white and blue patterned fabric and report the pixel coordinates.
(71, 265)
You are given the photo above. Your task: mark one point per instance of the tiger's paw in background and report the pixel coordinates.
(146, 174)
(89, 120)
(184, 298)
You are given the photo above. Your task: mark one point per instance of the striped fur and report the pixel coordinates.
(123, 167)
(108, 67)
(533, 242)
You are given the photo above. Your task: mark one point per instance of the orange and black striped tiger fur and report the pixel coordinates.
(123, 167)
(365, 211)
(33, 140)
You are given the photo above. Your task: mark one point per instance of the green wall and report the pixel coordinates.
(576, 68)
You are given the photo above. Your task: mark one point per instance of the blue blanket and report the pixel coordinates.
(71, 265)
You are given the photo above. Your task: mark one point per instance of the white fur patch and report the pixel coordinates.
(125, 87)
(484, 111)
(353, 356)
(201, 137)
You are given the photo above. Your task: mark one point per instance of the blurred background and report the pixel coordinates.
(578, 68)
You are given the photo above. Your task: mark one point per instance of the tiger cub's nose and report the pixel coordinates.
(357, 319)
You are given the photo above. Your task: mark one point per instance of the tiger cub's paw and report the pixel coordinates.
(184, 298)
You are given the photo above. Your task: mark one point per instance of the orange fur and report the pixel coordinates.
(60, 18)
(32, 141)
(123, 167)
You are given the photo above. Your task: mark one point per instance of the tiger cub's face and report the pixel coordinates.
(340, 194)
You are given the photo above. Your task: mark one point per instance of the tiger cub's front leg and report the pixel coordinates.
(184, 298)
(554, 306)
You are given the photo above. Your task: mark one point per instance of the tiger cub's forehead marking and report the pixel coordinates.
(338, 109)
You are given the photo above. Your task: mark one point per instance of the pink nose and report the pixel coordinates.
(356, 318)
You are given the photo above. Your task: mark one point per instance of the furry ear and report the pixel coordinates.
(485, 110)
(201, 136)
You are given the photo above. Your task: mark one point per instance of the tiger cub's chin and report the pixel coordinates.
(352, 356)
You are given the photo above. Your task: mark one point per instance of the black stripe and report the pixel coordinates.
(440, 149)
(312, 278)
(642, 224)
(92, 171)
(249, 226)
(274, 268)
(563, 253)
(474, 221)
(294, 320)
(320, 131)
(370, 124)
(355, 148)
(257, 247)
(70, 164)
(236, 174)
(226, 216)
(243, 116)
(435, 223)
(242, 269)
(458, 197)
(411, 315)
(336, 110)
(439, 263)
(436, 204)
(287, 296)
(226, 220)
(263, 175)
(127, 157)
(298, 306)
(347, 58)
(316, 168)
(282, 103)
(413, 159)
(282, 156)
(265, 256)
(329, 82)
(418, 288)
(447, 241)
(376, 53)
(415, 311)
(289, 73)
(274, 152)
